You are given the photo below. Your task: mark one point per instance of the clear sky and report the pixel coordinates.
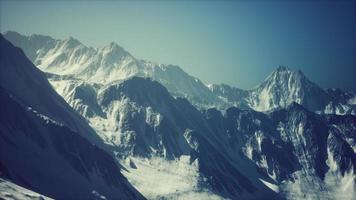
(233, 42)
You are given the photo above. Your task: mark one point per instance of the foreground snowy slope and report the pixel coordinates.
(11, 191)
(40, 146)
(174, 179)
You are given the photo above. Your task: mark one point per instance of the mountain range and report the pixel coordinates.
(174, 137)
(69, 57)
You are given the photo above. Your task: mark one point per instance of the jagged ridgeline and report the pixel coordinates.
(180, 139)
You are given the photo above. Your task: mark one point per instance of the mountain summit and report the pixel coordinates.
(285, 86)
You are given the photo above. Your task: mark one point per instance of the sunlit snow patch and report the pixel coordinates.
(158, 178)
(270, 185)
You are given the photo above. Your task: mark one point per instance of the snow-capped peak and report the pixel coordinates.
(285, 86)
(283, 75)
(114, 47)
(114, 52)
(282, 68)
(71, 42)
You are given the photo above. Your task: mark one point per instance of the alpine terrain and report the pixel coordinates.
(174, 136)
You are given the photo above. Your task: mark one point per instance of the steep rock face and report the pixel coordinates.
(144, 116)
(37, 126)
(79, 95)
(230, 95)
(307, 133)
(252, 134)
(302, 152)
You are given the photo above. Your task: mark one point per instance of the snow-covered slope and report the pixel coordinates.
(174, 179)
(107, 64)
(40, 146)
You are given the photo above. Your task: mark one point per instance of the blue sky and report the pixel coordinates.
(233, 42)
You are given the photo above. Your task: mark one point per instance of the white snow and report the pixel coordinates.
(11, 191)
(259, 138)
(44, 117)
(306, 185)
(341, 187)
(249, 150)
(270, 185)
(157, 177)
